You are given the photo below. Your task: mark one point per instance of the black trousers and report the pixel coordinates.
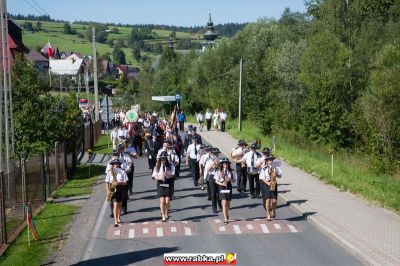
(125, 200)
(130, 180)
(213, 193)
(208, 121)
(241, 177)
(182, 126)
(194, 166)
(254, 179)
(222, 126)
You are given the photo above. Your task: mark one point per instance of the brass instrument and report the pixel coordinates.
(112, 187)
(272, 174)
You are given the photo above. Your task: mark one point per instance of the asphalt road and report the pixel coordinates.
(143, 239)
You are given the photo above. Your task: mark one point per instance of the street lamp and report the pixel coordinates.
(96, 85)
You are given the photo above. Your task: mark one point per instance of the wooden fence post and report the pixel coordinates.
(46, 175)
(3, 221)
(57, 158)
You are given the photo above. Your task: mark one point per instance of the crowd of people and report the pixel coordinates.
(218, 118)
(166, 151)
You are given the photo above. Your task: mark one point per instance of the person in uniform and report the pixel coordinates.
(224, 177)
(269, 186)
(173, 158)
(149, 150)
(200, 120)
(250, 159)
(163, 172)
(208, 117)
(241, 170)
(211, 166)
(116, 177)
(222, 116)
(202, 160)
(191, 159)
(114, 137)
(115, 155)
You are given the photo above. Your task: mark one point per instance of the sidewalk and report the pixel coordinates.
(369, 232)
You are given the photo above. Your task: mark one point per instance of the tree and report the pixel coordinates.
(118, 56)
(101, 32)
(136, 53)
(67, 28)
(38, 26)
(326, 109)
(28, 26)
(378, 120)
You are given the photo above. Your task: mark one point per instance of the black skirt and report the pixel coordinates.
(267, 193)
(164, 191)
(225, 196)
(120, 194)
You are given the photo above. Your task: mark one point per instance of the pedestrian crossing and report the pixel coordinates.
(256, 226)
(187, 228)
(151, 229)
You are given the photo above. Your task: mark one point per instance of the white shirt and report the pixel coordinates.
(208, 115)
(159, 175)
(114, 135)
(199, 117)
(173, 157)
(229, 176)
(264, 173)
(121, 176)
(216, 116)
(248, 157)
(121, 133)
(203, 159)
(207, 164)
(223, 116)
(191, 150)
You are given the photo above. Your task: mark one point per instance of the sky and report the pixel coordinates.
(167, 12)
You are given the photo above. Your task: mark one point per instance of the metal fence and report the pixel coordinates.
(35, 179)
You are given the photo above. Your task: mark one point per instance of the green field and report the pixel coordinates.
(53, 32)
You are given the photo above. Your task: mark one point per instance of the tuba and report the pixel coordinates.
(112, 187)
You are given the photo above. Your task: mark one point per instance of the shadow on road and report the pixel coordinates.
(129, 257)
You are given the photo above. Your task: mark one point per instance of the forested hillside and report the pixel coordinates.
(331, 75)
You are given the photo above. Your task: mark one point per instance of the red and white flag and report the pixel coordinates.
(48, 50)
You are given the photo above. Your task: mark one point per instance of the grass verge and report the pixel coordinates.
(50, 225)
(103, 145)
(82, 181)
(350, 172)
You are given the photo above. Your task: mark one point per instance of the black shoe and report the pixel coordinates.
(239, 190)
(253, 196)
(208, 198)
(130, 193)
(111, 215)
(124, 211)
(259, 196)
(215, 210)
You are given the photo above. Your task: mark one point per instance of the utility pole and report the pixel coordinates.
(240, 94)
(96, 89)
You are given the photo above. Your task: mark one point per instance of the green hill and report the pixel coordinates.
(54, 32)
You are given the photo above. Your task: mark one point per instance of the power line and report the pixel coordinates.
(41, 13)
(47, 13)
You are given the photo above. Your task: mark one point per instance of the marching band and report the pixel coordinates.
(165, 150)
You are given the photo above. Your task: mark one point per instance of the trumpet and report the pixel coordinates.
(112, 187)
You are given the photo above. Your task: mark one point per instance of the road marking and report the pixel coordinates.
(292, 228)
(173, 229)
(217, 221)
(188, 231)
(264, 228)
(257, 219)
(277, 226)
(89, 249)
(145, 230)
(249, 226)
(159, 232)
(131, 233)
(222, 228)
(158, 222)
(145, 222)
(117, 232)
(184, 222)
(236, 228)
(171, 222)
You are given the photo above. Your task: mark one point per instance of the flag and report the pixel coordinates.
(30, 221)
(48, 50)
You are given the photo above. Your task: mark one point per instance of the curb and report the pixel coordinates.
(364, 257)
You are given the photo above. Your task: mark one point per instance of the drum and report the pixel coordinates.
(252, 170)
